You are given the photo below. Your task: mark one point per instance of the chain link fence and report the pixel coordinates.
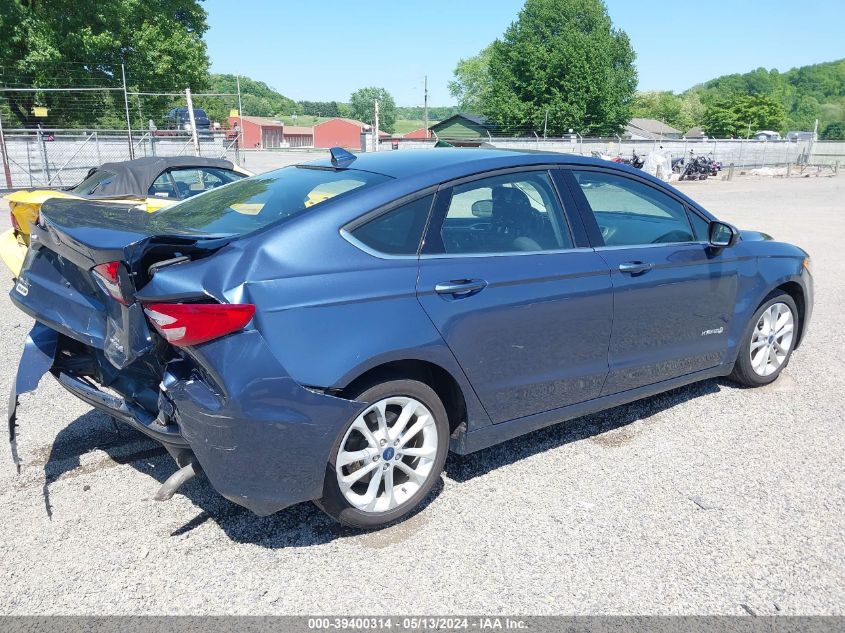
(53, 158)
(742, 153)
(59, 120)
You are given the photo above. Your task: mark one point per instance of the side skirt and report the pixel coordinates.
(497, 433)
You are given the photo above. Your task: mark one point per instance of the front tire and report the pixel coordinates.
(388, 457)
(767, 344)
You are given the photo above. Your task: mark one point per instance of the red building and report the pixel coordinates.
(298, 136)
(341, 132)
(265, 133)
(418, 133)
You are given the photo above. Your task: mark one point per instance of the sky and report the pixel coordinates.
(323, 50)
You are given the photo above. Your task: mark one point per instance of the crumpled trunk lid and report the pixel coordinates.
(56, 285)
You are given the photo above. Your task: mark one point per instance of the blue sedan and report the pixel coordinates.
(329, 331)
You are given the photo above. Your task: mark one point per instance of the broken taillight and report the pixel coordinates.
(108, 275)
(184, 324)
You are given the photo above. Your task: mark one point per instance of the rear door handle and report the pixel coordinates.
(634, 268)
(460, 288)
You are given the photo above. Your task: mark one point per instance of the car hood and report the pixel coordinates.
(755, 236)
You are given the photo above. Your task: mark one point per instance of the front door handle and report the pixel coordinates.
(460, 288)
(635, 268)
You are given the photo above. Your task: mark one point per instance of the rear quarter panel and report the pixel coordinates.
(328, 311)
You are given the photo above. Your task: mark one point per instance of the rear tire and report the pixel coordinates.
(401, 440)
(766, 346)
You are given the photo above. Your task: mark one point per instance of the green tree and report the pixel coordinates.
(562, 64)
(833, 132)
(257, 98)
(320, 108)
(64, 43)
(361, 107)
(743, 115)
(472, 80)
(805, 111)
(681, 112)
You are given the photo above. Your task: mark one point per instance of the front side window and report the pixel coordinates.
(511, 213)
(399, 231)
(163, 187)
(253, 203)
(631, 213)
(190, 181)
(94, 183)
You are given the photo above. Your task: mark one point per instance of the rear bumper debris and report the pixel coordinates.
(262, 439)
(39, 351)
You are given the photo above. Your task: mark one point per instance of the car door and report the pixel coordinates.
(522, 301)
(674, 295)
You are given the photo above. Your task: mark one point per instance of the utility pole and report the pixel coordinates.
(425, 105)
(126, 104)
(194, 136)
(545, 124)
(4, 156)
(375, 128)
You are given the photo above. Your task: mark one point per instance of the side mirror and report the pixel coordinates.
(723, 235)
(482, 208)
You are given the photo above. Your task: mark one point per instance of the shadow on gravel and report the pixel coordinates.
(303, 525)
(465, 467)
(89, 432)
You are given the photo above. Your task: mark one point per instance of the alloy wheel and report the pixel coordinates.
(772, 339)
(387, 454)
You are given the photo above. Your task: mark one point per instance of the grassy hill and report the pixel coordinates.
(806, 93)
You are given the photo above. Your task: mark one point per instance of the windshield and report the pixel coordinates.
(253, 203)
(93, 183)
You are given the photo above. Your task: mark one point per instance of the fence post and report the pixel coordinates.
(29, 163)
(194, 136)
(5, 156)
(45, 165)
(126, 104)
(97, 147)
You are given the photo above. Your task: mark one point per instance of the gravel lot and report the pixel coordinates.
(708, 499)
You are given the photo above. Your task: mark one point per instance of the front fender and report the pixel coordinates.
(759, 277)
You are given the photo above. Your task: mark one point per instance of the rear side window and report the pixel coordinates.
(505, 214)
(250, 204)
(397, 232)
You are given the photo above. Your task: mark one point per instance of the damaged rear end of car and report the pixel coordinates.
(127, 322)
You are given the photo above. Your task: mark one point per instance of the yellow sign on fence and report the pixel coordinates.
(39, 111)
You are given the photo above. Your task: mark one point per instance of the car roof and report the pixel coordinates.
(417, 169)
(455, 161)
(134, 177)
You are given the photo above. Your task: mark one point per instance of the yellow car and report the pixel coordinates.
(153, 182)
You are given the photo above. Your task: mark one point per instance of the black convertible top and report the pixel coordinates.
(134, 177)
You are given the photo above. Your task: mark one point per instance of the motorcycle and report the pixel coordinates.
(634, 161)
(698, 168)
